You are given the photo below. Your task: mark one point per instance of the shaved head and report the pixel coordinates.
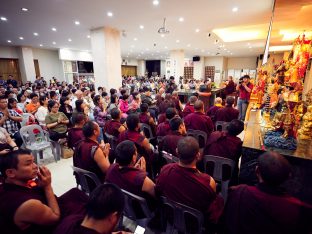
(199, 105)
(193, 99)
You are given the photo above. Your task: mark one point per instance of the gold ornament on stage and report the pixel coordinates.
(305, 132)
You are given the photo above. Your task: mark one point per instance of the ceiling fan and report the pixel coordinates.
(163, 30)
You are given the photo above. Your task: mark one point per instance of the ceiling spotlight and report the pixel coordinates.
(110, 14)
(235, 9)
(166, 47)
(69, 39)
(141, 26)
(88, 36)
(24, 9)
(135, 39)
(3, 18)
(53, 29)
(162, 35)
(202, 51)
(155, 2)
(36, 34)
(77, 22)
(21, 38)
(197, 30)
(9, 41)
(188, 45)
(181, 19)
(177, 41)
(54, 43)
(40, 45)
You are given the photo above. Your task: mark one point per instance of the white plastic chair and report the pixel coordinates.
(36, 140)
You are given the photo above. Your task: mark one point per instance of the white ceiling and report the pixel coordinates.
(128, 15)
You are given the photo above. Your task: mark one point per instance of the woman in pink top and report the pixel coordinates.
(134, 106)
(123, 105)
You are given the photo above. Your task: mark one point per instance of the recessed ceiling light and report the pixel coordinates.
(135, 39)
(53, 29)
(21, 38)
(162, 35)
(202, 51)
(141, 26)
(3, 18)
(24, 9)
(235, 9)
(197, 30)
(177, 41)
(181, 19)
(166, 47)
(54, 43)
(69, 39)
(188, 45)
(250, 47)
(77, 22)
(88, 36)
(9, 41)
(231, 53)
(110, 14)
(155, 2)
(40, 45)
(36, 34)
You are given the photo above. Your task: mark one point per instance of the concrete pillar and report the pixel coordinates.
(105, 44)
(177, 64)
(26, 63)
(141, 68)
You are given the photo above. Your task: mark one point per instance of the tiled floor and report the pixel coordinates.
(61, 171)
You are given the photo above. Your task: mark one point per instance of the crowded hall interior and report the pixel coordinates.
(155, 116)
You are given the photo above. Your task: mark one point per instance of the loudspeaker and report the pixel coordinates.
(196, 58)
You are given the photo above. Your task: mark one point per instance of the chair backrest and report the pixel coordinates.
(221, 169)
(112, 140)
(169, 157)
(221, 125)
(147, 130)
(86, 179)
(32, 134)
(199, 135)
(26, 117)
(182, 218)
(135, 206)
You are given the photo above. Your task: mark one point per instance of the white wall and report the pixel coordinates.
(242, 63)
(49, 63)
(214, 61)
(129, 62)
(9, 52)
(75, 55)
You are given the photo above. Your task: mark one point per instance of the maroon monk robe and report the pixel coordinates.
(128, 178)
(212, 112)
(190, 187)
(145, 118)
(13, 196)
(111, 127)
(84, 157)
(161, 118)
(229, 88)
(226, 114)
(169, 143)
(72, 225)
(188, 109)
(74, 136)
(199, 121)
(164, 106)
(263, 209)
(163, 129)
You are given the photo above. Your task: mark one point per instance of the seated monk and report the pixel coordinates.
(198, 120)
(75, 134)
(129, 173)
(146, 118)
(169, 142)
(164, 128)
(114, 127)
(89, 154)
(163, 107)
(266, 208)
(189, 107)
(182, 182)
(212, 110)
(228, 113)
(217, 141)
(133, 134)
(103, 210)
(28, 205)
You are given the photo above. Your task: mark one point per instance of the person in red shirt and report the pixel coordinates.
(266, 208)
(164, 128)
(244, 88)
(198, 120)
(189, 107)
(75, 134)
(114, 127)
